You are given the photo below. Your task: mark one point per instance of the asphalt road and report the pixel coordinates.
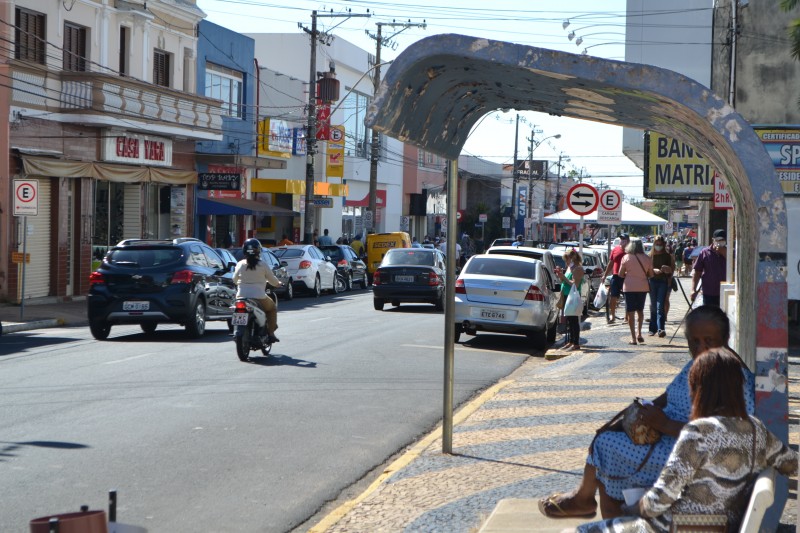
(194, 440)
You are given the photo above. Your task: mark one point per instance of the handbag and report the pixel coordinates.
(674, 284)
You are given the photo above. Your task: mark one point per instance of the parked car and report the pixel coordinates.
(352, 269)
(507, 294)
(227, 257)
(593, 266)
(148, 282)
(410, 275)
(508, 242)
(308, 268)
(286, 290)
(543, 255)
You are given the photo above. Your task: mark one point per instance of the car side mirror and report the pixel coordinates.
(328, 259)
(231, 265)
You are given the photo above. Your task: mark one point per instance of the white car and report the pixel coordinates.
(308, 268)
(507, 294)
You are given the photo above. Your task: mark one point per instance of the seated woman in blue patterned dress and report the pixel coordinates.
(718, 455)
(612, 464)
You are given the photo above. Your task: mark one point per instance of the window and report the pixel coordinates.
(161, 68)
(29, 37)
(358, 140)
(74, 49)
(124, 46)
(226, 85)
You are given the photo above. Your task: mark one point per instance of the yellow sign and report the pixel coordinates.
(334, 167)
(274, 138)
(16, 257)
(673, 168)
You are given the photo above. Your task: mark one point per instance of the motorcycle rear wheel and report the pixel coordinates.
(243, 344)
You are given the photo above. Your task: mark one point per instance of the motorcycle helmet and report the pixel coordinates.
(252, 247)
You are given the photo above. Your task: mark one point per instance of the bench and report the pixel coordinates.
(522, 515)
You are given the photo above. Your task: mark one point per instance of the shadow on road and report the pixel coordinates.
(501, 343)
(9, 449)
(281, 360)
(19, 343)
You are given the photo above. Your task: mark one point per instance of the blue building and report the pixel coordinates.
(226, 71)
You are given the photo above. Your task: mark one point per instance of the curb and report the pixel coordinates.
(36, 324)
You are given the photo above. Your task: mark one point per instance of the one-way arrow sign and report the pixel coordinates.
(582, 207)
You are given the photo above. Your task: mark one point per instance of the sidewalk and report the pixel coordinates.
(524, 439)
(43, 313)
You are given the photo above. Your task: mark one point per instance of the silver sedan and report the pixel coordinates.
(507, 294)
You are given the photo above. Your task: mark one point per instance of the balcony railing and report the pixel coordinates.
(109, 100)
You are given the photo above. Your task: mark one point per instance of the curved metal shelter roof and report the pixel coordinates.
(438, 88)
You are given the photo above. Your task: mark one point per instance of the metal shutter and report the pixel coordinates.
(37, 272)
(132, 211)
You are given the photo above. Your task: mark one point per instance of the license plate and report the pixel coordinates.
(135, 306)
(404, 279)
(493, 315)
(239, 319)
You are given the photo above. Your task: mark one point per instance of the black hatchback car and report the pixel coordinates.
(410, 275)
(353, 269)
(147, 282)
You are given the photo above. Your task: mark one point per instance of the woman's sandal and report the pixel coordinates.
(633, 343)
(550, 508)
(640, 338)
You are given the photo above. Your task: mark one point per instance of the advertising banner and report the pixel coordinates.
(334, 167)
(783, 146)
(275, 138)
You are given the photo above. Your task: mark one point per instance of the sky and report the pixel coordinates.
(593, 149)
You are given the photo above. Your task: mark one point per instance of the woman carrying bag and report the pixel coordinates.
(636, 269)
(572, 281)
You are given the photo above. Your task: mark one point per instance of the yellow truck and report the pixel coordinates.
(377, 245)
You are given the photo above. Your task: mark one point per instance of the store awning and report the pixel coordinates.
(321, 188)
(239, 206)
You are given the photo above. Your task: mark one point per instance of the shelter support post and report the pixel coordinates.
(449, 308)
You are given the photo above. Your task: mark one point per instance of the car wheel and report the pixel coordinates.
(378, 304)
(552, 332)
(100, 329)
(459, 331)
(148, 327)
(538, 339)
(317, 290)
(196, 323)
(289, 294)
(395, 303)
(364, 282)
(339, 285)
(348, 282)
(439, 304)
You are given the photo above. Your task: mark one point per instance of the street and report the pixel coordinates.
(193, 439)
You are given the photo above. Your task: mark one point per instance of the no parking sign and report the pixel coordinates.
(26, 197)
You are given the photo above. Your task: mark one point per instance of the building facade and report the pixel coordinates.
(100, 116)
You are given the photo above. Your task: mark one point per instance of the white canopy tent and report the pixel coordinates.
(630, 215)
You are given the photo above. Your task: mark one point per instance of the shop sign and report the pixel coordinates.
(674, 169)
(138, 149)
(215, 181)
(275, 138)
(299, 141)
(783, 147)
(335, 156)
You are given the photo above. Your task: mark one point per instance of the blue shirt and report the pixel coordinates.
(325, 240)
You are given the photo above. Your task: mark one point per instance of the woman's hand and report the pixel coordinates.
(666, 270)
(654, 417)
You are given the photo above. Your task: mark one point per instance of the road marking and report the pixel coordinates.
(414, 452)
(463, 348)
(320, 319)
(129, 358)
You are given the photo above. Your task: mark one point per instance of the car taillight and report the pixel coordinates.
(534, 294)
(433, 279)
(96, 278)
(240, 306)
(305, 264)
(342, 263)
(460, 287)
(376, 278)
(182, 276)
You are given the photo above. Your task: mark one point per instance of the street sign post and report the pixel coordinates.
(609, 210)
(582, 199)
(26, 197)
(322, 202)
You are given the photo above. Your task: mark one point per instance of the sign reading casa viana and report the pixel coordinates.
(137, 149)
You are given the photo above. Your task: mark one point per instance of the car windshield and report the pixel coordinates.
(501, 267)
(144, 257)
(288, 253)
(408, 257)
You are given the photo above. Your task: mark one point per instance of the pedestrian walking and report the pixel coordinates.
(325, 239)
(574, 276)
(358, 246)
(636, 269)
(710, 268)
(679, 257)
(687, 257)
(663, 266)
(614, 262)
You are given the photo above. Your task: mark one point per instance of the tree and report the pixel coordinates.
(794, 26)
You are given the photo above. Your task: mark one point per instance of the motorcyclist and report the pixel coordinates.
(251, 276)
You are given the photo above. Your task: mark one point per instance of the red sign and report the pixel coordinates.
(582, 199)
(323, 121)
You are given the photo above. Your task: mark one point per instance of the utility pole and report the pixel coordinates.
(380, 42)
(514, 180)
(311, 134)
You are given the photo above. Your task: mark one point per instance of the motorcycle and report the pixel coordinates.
(249, 331)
